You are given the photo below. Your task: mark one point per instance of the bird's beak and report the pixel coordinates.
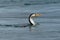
(37, 14)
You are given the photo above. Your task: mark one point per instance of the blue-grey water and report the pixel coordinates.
(16, 12)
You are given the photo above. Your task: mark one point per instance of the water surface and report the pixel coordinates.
(17, 12)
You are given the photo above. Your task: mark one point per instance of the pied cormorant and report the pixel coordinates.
(32, 23)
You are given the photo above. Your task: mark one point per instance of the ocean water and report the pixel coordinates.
(16, 12)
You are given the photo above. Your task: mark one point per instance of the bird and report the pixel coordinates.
(33, 15)
(31, 21)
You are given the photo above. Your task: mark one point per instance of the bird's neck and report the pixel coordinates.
(31, 21)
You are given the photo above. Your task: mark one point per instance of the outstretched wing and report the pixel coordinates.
(15, 25)
(22, 25)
